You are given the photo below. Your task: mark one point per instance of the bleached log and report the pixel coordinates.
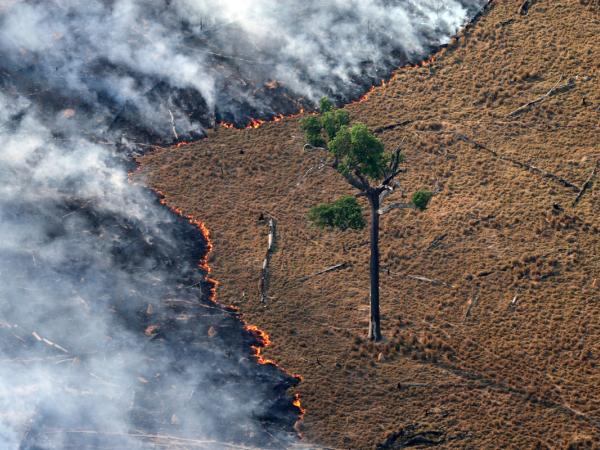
(264, 276)
(48, 342)
(173, 126)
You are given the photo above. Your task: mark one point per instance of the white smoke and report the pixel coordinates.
(90, 265)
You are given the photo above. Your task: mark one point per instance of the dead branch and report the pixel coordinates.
(513, 303)
(173, 126)
(556, 89)
(264, 277)
(392, 126)
(521, 165)
(387, 190)
(48, 342)
(326, 270)
(388, 208)
(437, 241)
(587, 185)
(473, 300)
(429, 280)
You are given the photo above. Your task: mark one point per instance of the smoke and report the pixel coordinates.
(108, 338)
(134, 61)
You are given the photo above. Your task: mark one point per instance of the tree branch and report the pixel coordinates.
(365, 184)
(393, 170)
(388, 208)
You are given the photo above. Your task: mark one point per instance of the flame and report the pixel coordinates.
(298, 403)
(264, 341)
(257, 123)
(181, 144)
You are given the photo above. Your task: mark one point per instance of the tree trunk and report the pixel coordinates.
(374, 322)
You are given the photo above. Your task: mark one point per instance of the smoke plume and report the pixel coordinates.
(108, 338)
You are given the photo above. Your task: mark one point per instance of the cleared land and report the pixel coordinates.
(502, 349)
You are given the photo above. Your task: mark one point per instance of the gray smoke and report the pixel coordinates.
(107, 335)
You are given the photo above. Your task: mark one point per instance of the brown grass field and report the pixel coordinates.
(502, 350)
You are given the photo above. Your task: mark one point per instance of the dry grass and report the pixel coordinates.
(521, 375)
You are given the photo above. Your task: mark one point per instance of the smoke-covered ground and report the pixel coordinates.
(107, 334)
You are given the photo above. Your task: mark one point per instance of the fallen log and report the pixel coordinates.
(529, 167)
(429, 280)
(326, 270)
(556, 89)
(472, 302)
(48, 342)
(173, 126)
(392, 126)
(587, 185)
(264, 276)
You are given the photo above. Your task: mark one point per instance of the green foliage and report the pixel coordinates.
(357, 149)
(343, 214)
(332, 121)
(325, 105)
(421, 199)
(311, 126)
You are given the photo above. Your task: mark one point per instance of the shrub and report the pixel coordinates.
(343, 213)
(421, 199)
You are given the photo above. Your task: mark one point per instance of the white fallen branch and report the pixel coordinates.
(264, 276)
(173, 125)
(48, 342)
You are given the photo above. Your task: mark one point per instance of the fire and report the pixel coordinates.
(257, 123)
(262, 336)
(298, 404)
(181, 144)
(264, 341)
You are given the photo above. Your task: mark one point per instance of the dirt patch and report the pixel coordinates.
(502, 351)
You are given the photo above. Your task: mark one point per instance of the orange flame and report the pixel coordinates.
(257, 123)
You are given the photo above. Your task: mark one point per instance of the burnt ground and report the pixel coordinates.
(501, 349)
(193, 355)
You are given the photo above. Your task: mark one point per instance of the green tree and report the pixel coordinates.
(361, 158)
